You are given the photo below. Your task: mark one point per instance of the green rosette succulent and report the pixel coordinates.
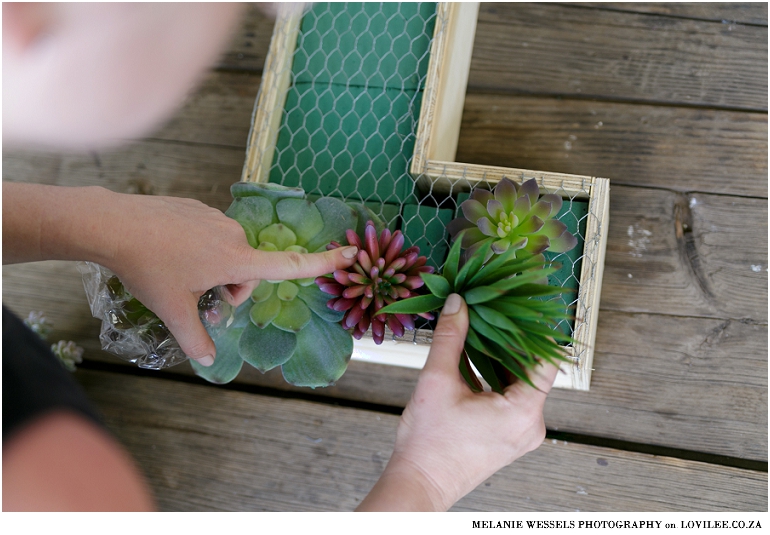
(512, 327)
(512, 217)
(286, 323)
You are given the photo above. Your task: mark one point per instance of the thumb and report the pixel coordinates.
(292, 265)
(448, 341)
(185, 324)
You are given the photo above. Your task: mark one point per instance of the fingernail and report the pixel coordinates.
(350, 252)
(452, 305)
(207, 361)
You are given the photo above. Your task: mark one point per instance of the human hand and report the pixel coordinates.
(449, 439)
(168, 251)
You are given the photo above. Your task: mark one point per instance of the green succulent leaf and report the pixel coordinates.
(482, 294)
(254, 214)
(452, 262)
(279, 235)
(228, 363)
(300, 215)
(294, 316)
(337, 217)
(413, 305)
(366, 214)
(472, 265)
(437, 284)
(266, 311)
(266, 348)
(316, 301)
(287, 290)
(322, 355)
(262, 292)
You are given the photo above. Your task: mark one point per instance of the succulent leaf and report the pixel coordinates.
(262, 292)
(228, 363)
(337, 218)
(322, 355)
(294, 316)
(254, 214)
(266, 311)
(266, 348)
(300, 215)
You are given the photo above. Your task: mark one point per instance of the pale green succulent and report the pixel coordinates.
(286, 323)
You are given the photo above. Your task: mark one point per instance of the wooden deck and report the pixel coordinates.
(667, 100)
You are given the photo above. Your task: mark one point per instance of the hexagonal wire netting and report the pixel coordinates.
(350, 113)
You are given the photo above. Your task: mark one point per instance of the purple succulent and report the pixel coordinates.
(512, 216)
(383, 274)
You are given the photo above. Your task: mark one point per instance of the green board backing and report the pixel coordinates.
(353, 104)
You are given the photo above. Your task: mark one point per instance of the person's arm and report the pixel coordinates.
(449, 439)
(167, 251)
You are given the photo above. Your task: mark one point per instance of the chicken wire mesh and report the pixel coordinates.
(337, 115)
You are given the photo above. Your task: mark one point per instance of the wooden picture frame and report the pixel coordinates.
(434, 169)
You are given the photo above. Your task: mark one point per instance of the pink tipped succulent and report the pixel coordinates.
(382, 274)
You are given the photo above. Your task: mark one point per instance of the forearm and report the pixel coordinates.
(54, 223)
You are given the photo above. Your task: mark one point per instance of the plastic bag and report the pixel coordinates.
(132, 331)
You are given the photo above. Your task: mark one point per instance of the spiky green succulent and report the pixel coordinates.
(286, 323)
(511, 326)
(512, 217)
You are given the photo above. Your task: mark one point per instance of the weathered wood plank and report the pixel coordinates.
(206, 448)
(148, 167)
(727, 12)
(694, 255)
(683, 149)
(551, 49)
(691, 383)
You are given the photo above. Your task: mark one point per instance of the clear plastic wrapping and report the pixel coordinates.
(132, 331)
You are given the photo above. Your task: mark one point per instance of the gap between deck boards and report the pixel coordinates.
(588, 440)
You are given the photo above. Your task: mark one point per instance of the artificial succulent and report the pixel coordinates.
(512, 217)
(382, 274)
(286, 323)
(511, 326)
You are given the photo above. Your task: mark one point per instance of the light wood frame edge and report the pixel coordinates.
(268, 108)
(438, 129)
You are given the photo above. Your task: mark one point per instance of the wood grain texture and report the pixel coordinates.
(717, 268)
(724, 12)
(676, 148)
(206, 448)
(557, 49)
(551, 49)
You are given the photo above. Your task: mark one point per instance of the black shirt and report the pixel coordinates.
(34, 381)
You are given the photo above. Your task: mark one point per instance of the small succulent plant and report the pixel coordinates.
(38, 323)
(383, 274)
(512, 217)
(68, 353)
(511, 326)
(286, 323)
